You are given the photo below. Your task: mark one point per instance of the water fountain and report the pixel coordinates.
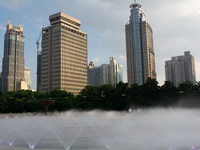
(150, 129)
(46, 104)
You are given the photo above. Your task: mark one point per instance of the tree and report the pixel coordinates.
(169, 93)
(2, 104)
(134, 97)
(150, 93)
(89, 98)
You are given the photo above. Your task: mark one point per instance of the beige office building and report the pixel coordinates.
(64, 55)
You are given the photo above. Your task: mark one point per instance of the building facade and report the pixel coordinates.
(39, 70)
(13, 59)
(94, 75)
(27, 77)
(181, 69)
(139, 47)
(105, 74)
(64, 55)
(0, 81)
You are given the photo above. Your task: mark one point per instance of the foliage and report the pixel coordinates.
(105, 97)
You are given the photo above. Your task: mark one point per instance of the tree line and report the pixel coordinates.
(106, 97)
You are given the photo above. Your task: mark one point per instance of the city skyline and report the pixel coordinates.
(111, 73)
(175, 28)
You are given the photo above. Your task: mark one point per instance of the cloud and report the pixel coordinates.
(14, 4)
(97, 60)
(121, 58)
(2, 27)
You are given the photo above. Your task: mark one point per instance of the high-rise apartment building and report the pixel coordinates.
(64, 55)
(180, 69)
(105, 74)
(13, 59)
(27, 77)
(139, 47)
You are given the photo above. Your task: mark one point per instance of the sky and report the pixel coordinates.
(175, 24)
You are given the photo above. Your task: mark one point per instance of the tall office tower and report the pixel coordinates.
(181, 69)
(139, 47)
(64, 55)
(13, 59)
(27, 77)
(39, 67)
(105, 74)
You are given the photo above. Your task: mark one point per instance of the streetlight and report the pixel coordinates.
(123, 95)
(24, 104)
(102, 95)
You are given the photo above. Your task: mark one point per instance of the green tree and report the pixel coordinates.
(150, 93)
(134, 97)
(2, 104)
(120, 100)
(169, 94)
(89, 98)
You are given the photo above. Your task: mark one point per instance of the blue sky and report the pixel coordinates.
(175, 24)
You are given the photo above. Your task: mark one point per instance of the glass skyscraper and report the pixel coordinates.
(139, 47)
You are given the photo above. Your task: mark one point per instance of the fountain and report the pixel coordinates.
(148, 129)
(46, 103)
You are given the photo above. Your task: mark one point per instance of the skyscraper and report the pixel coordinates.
(64, 55)
(114, 72)
(27, 77)
(13, 59)
(105, 74)
(139, 47)
(39, 70)
(181, 69)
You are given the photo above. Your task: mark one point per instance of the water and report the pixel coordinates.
(143, 129)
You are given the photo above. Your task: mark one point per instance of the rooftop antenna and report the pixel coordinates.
(10, 18)
(20, 23)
